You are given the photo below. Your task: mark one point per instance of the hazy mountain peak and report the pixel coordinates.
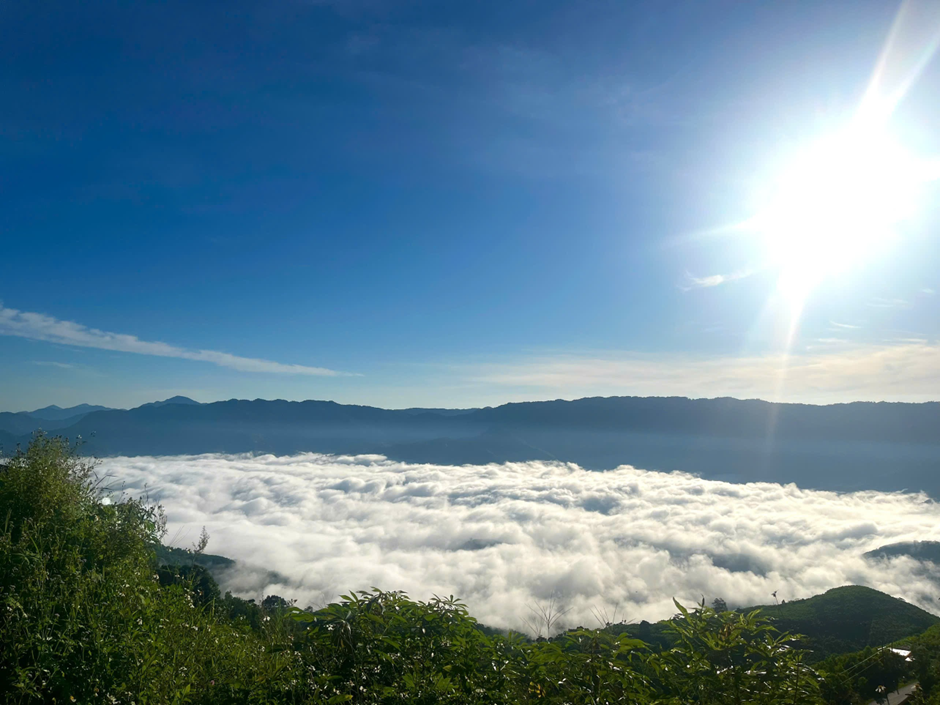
(57, 413)
(178, 399)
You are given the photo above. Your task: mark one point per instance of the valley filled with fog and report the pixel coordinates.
(506, 538)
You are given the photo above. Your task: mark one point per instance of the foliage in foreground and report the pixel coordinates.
(860, 677)
(840, 621)
(925, 651)
(88, 615)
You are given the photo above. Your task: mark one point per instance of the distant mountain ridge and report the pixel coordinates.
(48, 418)
(56, 413)
(51, 418)
(842, 447)
(172, 400)
(927, 551)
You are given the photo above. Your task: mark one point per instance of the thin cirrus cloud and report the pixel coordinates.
(506, 537)
(713, 280)
(906, 370)
(39, 326)
(880, 302)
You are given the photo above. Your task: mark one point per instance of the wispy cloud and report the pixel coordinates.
(900, 371)
(879, 302)
(39, 326)
(52, 363)
(846, 326)
(692, 282)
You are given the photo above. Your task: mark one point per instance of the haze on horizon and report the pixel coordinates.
(457, 206)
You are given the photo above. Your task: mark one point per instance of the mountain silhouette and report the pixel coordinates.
(924, 551)
(56, 413)
(48, 418)
(172, 400)
(862, 445)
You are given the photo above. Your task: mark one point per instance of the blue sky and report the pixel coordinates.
(439, 204)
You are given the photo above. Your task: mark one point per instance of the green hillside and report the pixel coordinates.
(850, 618)
(170, 555)
(841, 620)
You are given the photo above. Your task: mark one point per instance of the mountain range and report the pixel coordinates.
(48, 418)
(862, 445)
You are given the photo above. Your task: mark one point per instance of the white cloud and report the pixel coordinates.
(38, 326)
(713, 280)
(705, 282)
(880, 302)
(503, 537)
(905, 371)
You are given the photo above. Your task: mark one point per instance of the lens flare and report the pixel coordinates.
(840, 201)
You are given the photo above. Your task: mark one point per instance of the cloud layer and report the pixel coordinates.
(38, 326)
(505, 537)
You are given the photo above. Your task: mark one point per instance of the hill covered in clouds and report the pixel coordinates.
(924, 551)
(885, 446)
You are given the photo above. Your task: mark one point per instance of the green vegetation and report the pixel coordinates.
(90, 614)
(847, 619)
(854, 679)
(925, 654)
(840, 621)
(851, 679)
(168, 555)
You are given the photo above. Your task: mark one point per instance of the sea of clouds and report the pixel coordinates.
(507, 538)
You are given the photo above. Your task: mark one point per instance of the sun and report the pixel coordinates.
(839, 202)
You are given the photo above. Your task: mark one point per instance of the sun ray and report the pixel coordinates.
(844, 197)
(912, 41)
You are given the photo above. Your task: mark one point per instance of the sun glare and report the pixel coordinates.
(839, 202)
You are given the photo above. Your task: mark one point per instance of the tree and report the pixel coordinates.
(730, 658)
(195, 578)
(719, 605)
(273, 603)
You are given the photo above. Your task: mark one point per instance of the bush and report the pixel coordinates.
(83, 616)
